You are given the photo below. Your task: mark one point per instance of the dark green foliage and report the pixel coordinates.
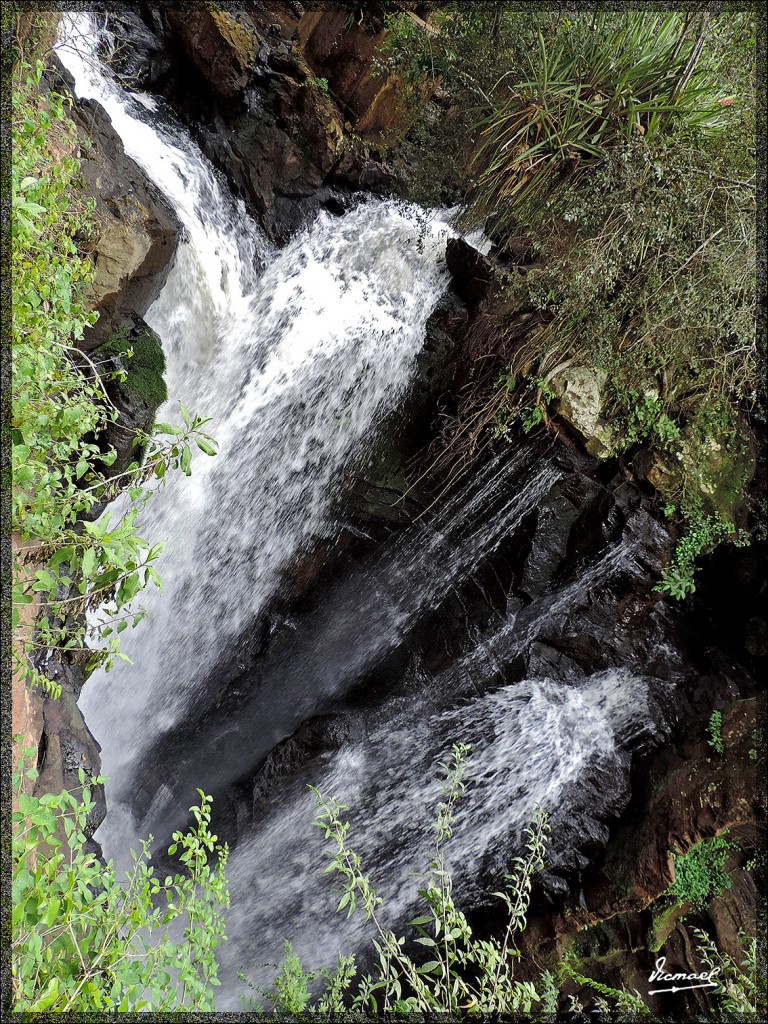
(714, 729)
(702, 534)
(591, 83)
(618, 149)
(700, 874)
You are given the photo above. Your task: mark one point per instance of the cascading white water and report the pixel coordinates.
(361, 619)
(531, 742)
(294, 367)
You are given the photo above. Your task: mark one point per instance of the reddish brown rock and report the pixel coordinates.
(221, 44)
(347, 52)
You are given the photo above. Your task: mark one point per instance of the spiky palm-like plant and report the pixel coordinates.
(590, 87)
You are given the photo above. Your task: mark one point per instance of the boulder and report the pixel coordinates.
(471, 272)
(716, 465)
(579, 391)
(221, 44)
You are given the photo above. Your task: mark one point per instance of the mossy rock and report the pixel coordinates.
(239, 36)
(715, 466)
(724, 465)
(137, 350)
(665, 916)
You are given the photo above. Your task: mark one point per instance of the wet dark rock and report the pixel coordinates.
(254, 106)
(546, 660)
(138, 51)
(682, 793)
(568, 526)
(471, 273)
(731, 600)
(335, 205)
(242, 802)
(321, 734)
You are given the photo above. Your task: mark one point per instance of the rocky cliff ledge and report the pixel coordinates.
(284, 101)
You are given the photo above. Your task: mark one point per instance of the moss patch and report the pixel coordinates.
(239, 37)
(141, 355)
(663, 921)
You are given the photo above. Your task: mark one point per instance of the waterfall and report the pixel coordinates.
(297, 355)
(294, 366)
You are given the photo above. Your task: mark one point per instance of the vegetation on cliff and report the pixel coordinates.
(597, 283)
(66, 561)
(81, 939)
(612, 158)
(449, 970)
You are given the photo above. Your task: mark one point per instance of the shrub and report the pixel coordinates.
(82, 941)
(460, 971)
(714, 728)
(700, 874)
(597, 82)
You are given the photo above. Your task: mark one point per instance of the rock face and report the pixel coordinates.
(137, 232)
(259, 111)
(222, 46)
(66, 744)
(684, 793)
(693, 793)
(343, 46)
